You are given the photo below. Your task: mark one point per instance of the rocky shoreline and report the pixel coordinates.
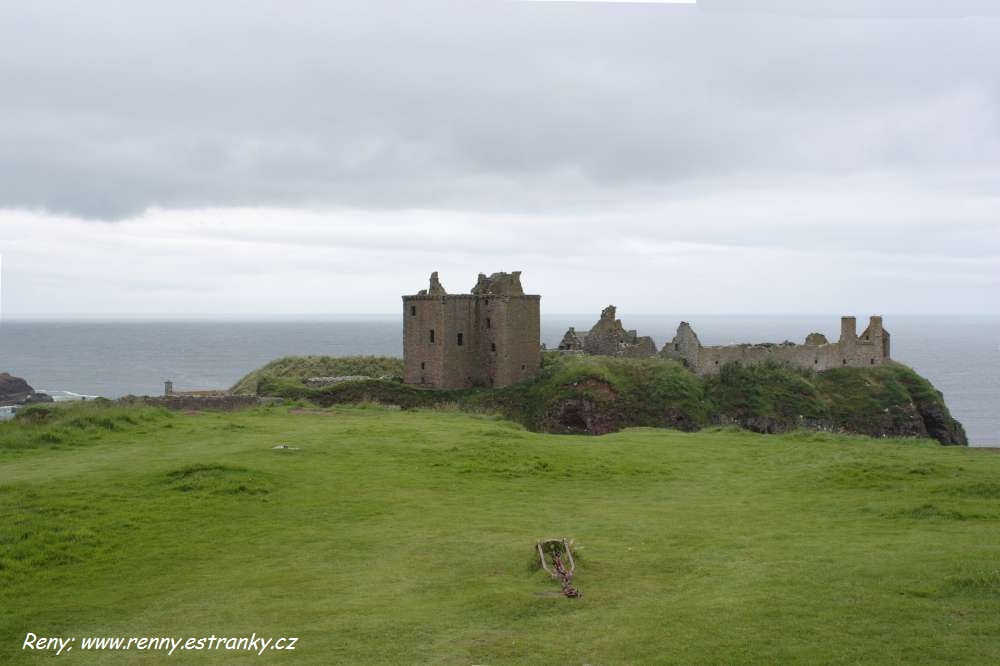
(15, 391)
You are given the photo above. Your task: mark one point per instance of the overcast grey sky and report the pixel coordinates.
(228, 158)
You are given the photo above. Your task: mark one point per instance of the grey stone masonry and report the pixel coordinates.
(488, 337)
(608, 337)
(870, 348)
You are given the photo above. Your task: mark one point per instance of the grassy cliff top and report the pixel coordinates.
(395, 536)
(303, 367)
(600, 394)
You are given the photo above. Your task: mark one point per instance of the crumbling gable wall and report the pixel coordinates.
(571, 341)
(851, 350)
(640, 347)
(606, 335)
(609, 338)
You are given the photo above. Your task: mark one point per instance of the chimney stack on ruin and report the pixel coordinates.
(848, 329)
(875, 326)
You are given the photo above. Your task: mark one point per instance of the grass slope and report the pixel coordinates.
(300, 368)
(406, 537)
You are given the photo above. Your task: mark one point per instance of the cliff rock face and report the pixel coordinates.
(937, 420)
(16, 391)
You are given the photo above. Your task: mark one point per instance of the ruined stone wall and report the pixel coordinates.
(685, 346)
(195, 402)
(640, 347)
(606, 336)
(609, 338)
(851, 350)
(571, 341)
(491, 337)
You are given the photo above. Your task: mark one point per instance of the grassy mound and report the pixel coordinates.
(599, 394)
(890, 400)
(404, 536)
(67, 425)
(300, 368)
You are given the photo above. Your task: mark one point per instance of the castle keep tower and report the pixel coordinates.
(489, 337)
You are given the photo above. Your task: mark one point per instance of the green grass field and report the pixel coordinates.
(403, 537)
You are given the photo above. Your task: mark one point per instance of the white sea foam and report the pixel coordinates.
(66, 396)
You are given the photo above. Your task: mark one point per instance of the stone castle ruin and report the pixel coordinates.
(491, 337)
(868, 349)
(609, 338)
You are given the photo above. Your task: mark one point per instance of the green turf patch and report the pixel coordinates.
(73, 424)
(928, 511)
(867, 475)
(985, 583)
(38, 534)
(299, 368)
(217, 480)
(980, 490)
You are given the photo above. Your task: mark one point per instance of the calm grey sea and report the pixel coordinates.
(960, 355)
